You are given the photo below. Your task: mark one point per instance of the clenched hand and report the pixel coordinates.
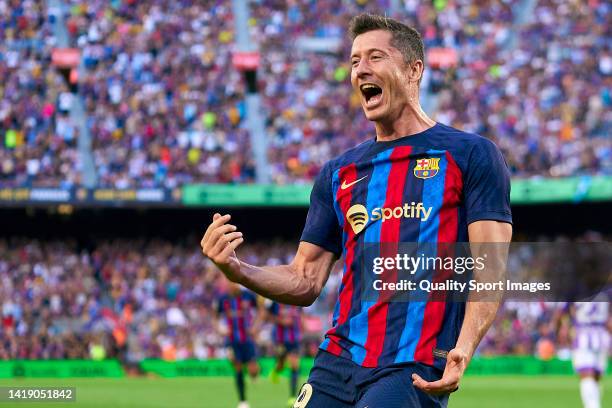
(219, 243)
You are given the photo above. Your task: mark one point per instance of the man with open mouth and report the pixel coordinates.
(435, 185)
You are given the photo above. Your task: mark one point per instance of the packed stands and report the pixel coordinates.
(165, 106)
(38, 139)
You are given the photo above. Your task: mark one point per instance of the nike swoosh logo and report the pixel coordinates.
(346, 185)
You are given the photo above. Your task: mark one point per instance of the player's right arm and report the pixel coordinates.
(298, 283)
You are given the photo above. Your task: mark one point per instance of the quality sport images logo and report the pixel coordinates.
(358, 216)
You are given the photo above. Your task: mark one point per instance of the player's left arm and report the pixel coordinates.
(479, 315)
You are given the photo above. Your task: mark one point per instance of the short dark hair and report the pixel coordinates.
(406, 39)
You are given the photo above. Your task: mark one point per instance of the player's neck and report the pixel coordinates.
(410, 121)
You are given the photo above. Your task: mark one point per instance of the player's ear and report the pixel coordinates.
(415, 70)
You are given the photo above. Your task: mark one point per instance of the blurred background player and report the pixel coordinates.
(237, 318)
(287, 336)
(592, 324)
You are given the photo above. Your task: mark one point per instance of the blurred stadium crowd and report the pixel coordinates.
(127, 299)
(165, 106)
(133, 299)
(38, 138)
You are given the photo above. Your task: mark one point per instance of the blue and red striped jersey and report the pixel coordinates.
(288, 323)
(441, 179)
(239, 313)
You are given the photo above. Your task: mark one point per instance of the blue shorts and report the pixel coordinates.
(336, 382)
(290, 347)
(243, 352)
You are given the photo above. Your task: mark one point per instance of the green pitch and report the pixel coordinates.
(211, 392)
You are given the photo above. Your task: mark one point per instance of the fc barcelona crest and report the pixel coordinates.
(426, 168)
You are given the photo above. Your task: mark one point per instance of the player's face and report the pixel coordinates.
(378, 74)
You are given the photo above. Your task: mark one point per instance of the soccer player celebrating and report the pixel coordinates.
(449, 186)
(239, 309)
(287, 335)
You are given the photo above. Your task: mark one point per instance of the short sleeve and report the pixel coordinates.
(322, 228)
(487, 184)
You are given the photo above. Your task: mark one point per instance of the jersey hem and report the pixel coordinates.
(325, 245)
(490, 216)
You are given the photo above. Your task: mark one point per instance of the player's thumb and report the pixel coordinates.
(216, 216)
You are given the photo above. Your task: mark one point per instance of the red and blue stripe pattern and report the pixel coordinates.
(239, 313)
(291, 333)
(444, 232)
(383, 332)
(360, 328)
(345, 291)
